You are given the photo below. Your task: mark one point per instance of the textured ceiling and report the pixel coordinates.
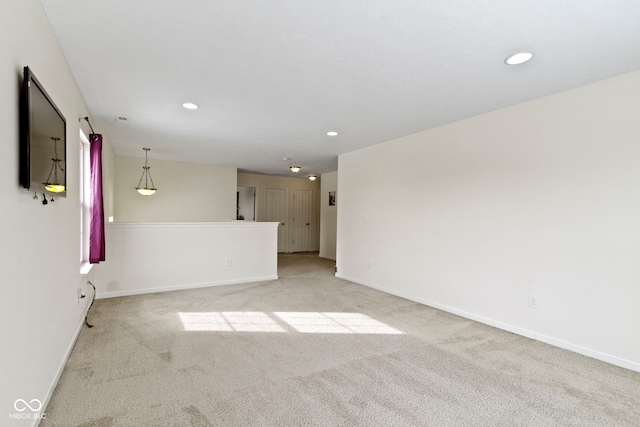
(272, 77)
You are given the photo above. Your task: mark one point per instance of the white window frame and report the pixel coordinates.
(85, 203)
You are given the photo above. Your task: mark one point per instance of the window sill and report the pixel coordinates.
(85, 267)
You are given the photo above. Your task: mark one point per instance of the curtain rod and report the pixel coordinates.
(87, 119)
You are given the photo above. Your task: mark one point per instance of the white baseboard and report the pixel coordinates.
(614, 360)
(103, 295)
(65, 359)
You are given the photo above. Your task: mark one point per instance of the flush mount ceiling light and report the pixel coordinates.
(146, 174)
(295, 169)
(190, 106)
(332, 133)
(518, 58)
(312, 177)
(55, 186)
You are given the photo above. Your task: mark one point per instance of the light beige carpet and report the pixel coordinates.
(312, 350)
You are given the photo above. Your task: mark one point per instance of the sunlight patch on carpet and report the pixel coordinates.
(240, 321)
(302, 322)
(335, 323)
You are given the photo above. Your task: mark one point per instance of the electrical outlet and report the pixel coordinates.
(229, 262)
(368, 265)
(81, 294)
(533, 301)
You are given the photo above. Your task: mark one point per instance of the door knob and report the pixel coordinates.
(308, 224)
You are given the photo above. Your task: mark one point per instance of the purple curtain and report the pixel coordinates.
(96, 210)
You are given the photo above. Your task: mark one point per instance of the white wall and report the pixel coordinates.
(328, 216)
(156, 257)
(261, 182)
(108, 174)
(40, 245)
(540, 199)
(186, 192)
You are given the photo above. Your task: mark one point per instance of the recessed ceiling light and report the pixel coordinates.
(190, 106)
(332, 133)
(518, 58)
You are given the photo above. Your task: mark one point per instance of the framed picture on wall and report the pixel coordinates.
(332, 198)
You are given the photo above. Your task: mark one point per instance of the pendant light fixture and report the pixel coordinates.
(312, 177)
(55, 186)
(295, 169)
(146, 174)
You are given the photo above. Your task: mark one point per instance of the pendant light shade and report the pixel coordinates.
(146, 174)
(146, 191)
(55, 186)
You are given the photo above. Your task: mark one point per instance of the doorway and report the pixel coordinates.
(246, 203)
(276, 211)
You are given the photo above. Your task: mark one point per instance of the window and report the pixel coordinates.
(85, 203)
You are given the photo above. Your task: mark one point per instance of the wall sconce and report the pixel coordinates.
(295, 169)
(146, 174)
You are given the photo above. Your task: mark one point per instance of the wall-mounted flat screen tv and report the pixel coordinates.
(43, 140)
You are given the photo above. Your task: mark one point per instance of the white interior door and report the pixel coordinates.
(277, 212)
(301, 221)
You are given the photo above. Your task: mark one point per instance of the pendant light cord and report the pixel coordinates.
(146, 174)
